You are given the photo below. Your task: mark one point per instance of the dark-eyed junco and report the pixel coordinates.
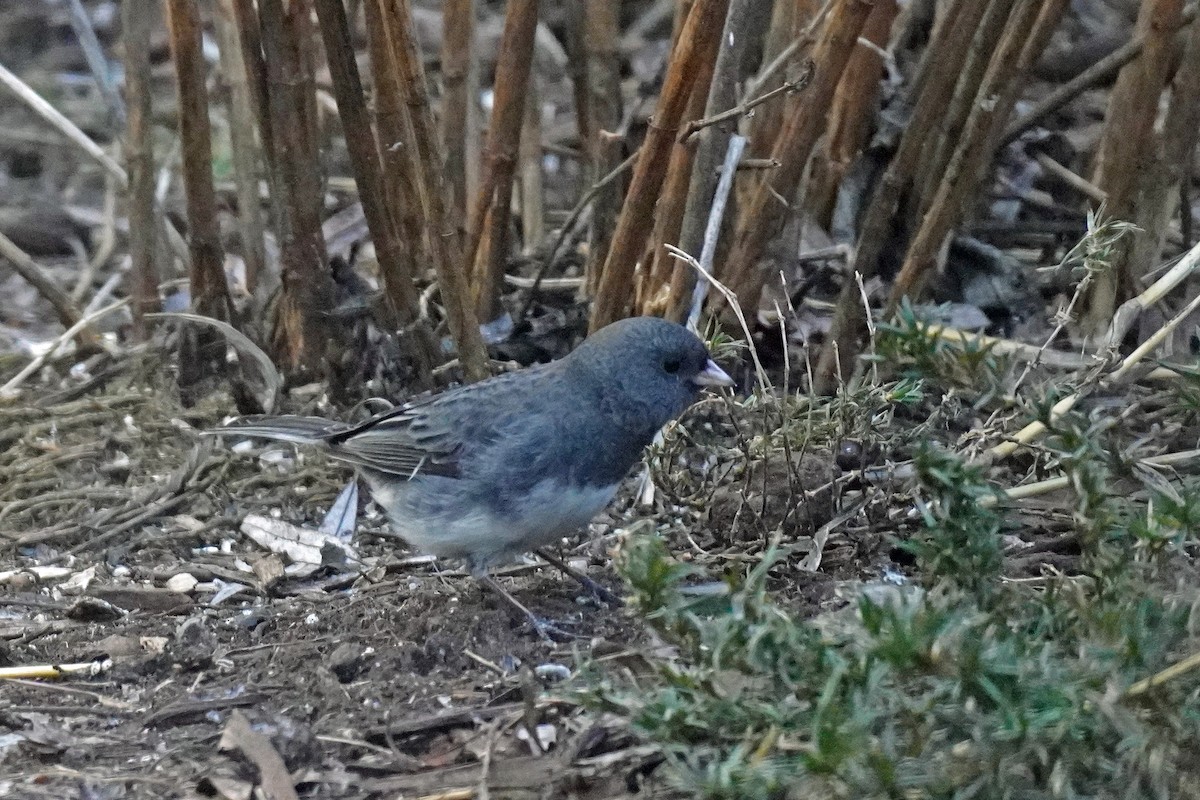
(511, 464)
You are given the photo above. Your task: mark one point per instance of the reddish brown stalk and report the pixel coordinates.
(767, 210)
(682, 9)
(139, 162)
(1159, 185)
(601, 120)
(852, 112)
(653, 285)
(210, 294)
(575, 43)
(303, 330)
(937, 75)
(941, 147)
(742, 20)
(789, 18)
(256, 71)
(460, 86)
(488, 247)
(1094, 75)
(395, 138)
(993, 102)
(441, 236)
(395, 259)
(1128, 143)
(244, 147)
(615, 292)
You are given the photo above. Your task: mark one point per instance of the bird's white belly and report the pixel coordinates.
(484, 537)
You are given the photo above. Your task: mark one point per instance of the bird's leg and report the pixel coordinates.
(594, 589)
(544, 627)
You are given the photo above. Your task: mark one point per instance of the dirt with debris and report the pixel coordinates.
(390, 674)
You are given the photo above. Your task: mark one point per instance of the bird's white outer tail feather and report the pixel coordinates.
(298, 430)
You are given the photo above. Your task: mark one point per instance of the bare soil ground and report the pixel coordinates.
(387, 677)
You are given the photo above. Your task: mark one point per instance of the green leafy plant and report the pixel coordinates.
(964, 687)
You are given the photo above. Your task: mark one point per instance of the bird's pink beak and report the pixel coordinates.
(712, 375)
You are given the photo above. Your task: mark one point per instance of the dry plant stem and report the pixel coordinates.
(851, 114)
(1040, 488)
(246, 152)
(780, 47)
(1075, 181)
(60, 123)
(395, 260)
(1035, 430)
(1094, 75)
(1016, 53)
(81, 24)
(653, 284)
(712, 144)
(1127, 146)
(303, 330)
(1158, 186)
(67, 312)
(533, 213)
(488, 241)
(941, 148)
(744, 110)
(575, 44)
(808, 19)
(395, 138)
(460, 87)
(71, 131)
(603, 112)
(250, 40)
(614, 292)
(445, 246)
(82, 324)
(210, 292)
(1132, 309)
(139, 157)
(763, 379)
(937, 75)
(1176, 670)
(1009, 347)
(767, 211)
(712, 230)
(567, 226)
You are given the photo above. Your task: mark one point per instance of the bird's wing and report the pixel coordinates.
(433, 435)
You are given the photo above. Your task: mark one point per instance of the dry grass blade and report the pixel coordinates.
(763, 379)
(11, 386)
(271, 380)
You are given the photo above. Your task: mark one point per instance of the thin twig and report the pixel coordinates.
(720, 197)
(52, 351)
(85, 143)
(725, 291)
(791, 87)
(564, 231)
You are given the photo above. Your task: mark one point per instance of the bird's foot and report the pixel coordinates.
(545, 628)
(598, 592)
(549, 630)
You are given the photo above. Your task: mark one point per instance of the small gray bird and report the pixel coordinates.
(511, 464)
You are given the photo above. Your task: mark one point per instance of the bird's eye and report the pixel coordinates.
(672, 365)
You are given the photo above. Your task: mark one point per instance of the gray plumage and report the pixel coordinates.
(510, 464)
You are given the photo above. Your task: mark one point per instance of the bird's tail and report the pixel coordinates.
(296, 429)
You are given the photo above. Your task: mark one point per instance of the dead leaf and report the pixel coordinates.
(298, 545)
(274, 779)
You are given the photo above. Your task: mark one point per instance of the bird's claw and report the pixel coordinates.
(550, 631)
(599, 593)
